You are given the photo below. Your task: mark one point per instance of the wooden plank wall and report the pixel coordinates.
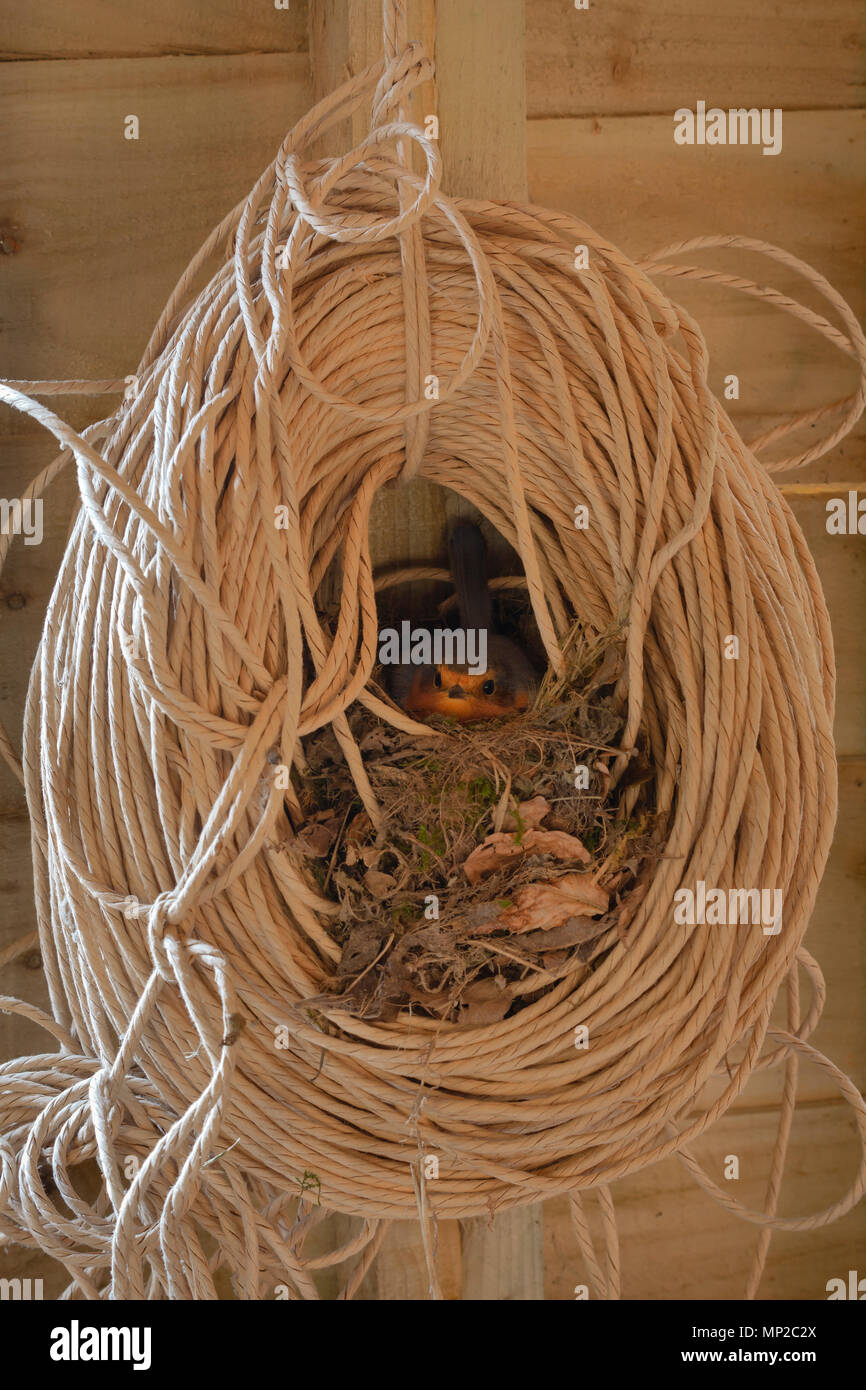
(94, 231)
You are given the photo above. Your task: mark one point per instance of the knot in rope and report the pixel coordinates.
(160, 925)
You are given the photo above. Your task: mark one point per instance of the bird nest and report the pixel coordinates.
(245, 984)
(503, 859)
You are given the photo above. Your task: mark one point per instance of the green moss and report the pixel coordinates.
(435, 839)
(482, 792)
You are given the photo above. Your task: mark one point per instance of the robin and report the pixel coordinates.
(504, 686)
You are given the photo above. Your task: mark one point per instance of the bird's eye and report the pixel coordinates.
(437, 680)
(488, 687)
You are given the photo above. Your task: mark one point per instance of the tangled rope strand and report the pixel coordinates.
(180, 935)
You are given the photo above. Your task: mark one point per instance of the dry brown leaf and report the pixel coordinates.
(359, 827)
(552, 960)
(572, 932)
(528, 814)
(315, 841)
(369, 855)
(362, 946)
(496, 851)
(557, 843)
(500, 849)
(380, 885)
(485, 1001)
(376, 741)
(543, 906)
(479, 916)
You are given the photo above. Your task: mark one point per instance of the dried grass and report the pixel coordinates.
(509, 785)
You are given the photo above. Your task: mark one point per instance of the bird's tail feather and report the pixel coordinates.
(468, 554)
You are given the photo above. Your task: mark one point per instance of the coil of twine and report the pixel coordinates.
(179, 936)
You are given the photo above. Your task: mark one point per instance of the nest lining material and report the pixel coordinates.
(180, 941)
(531, 877)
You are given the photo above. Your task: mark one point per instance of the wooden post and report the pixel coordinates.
(481, 85)
(481, 105)
(407, 525)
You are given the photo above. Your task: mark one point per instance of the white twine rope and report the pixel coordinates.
(180, 934)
